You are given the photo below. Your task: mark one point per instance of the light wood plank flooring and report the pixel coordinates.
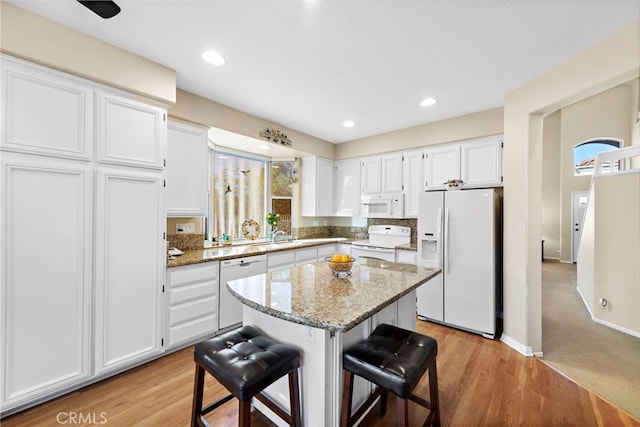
(481, 382)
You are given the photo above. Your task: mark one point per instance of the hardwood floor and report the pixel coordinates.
(481, 383)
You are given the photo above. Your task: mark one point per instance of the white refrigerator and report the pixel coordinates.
(460, 232)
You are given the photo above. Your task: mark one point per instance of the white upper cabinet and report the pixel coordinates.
(317, 186)
(347, 188)
(371, 175)
(441, 164)
(391, 172)
(130, 133)
(45, 112)
(187, 170)
(381, 174)
(477, 162)
(481, 163)
(414, 183)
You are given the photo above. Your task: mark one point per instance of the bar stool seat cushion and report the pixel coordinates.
(391, 357)
(245, 361)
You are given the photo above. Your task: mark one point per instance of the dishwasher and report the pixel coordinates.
(230, 309)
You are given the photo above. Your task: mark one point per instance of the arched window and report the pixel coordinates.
(584, 154)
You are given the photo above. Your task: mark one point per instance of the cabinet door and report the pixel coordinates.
(326, 250)
(482, 162)
(278, 260)
(306, 255)
(442, 164)
(371, 175)
(130, 133)
(129, 267)
(46, 278)
(187, 170)
(347, 188)
(317, 187)
(45, 112)
(391, 165)
(324, 185)
(406, 256)
(413, 181)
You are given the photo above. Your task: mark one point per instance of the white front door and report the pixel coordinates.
(578, 208)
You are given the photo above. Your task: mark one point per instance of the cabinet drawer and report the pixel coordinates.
(192, 310)
(207, 325)
(326, 250)
(306, 255)
(188, 274)
(280, 259)
(184, 293)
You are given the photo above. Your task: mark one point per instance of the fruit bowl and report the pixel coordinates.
(340, 267)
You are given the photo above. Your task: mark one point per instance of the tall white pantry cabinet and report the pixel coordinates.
(82, 222)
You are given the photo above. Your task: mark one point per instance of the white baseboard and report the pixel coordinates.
(519, 347)
(616, 327)
(604, 322)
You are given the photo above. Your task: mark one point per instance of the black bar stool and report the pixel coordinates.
(245, 362)
(395, 359)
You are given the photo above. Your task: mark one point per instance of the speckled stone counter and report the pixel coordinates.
(220, 253)
(308, 308)
(310, 295)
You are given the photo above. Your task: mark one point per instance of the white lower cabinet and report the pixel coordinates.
(344, 248)
(192, 303)
(46, 263)
(129, 270)
(306, 255)
(281, 259)
(405, 256)
(325, 251)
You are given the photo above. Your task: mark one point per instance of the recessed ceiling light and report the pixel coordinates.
(213, 57)
(427, 102)
(348, 124)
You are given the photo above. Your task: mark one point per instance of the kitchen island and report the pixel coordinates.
(306, 306)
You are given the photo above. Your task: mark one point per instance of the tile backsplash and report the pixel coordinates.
(186, 241)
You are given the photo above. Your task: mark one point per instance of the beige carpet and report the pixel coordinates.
(601, 359)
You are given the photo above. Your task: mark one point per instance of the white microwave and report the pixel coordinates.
(382, 205)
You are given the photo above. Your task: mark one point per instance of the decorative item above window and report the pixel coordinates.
(276, 136)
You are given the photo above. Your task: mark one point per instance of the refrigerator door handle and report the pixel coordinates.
(439, 241)
(446, 240)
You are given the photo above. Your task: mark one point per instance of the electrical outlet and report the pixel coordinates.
(604, 304)
(185, 228)
(311, 335)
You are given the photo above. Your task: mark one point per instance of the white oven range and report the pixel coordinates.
(382, 242)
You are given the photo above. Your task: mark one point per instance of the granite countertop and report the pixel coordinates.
(221, 253)
(413, 246)
(310, 295)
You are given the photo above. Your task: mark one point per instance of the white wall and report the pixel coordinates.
(611, 62)
(36, 39)
(606, 114)
(617, 251)
(551, 185)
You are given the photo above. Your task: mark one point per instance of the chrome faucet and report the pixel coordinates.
(276, 234)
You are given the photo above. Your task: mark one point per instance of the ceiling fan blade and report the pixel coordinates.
(105, 9)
